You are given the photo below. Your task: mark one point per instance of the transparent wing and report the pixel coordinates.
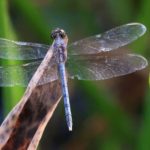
(21, 50)
(83, 67)
(107, 41)
(112, 39)
(105, 66)
(20, 75)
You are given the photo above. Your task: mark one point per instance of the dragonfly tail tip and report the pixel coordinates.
(70, 128)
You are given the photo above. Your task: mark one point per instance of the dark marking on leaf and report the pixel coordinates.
(27, 113)
(31, 132)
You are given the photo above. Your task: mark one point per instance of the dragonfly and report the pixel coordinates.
(93, 58)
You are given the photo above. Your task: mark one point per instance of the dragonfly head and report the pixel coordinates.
(58, 33)
(59, 36)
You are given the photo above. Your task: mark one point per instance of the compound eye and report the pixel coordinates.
(53, 36)
(62, 34)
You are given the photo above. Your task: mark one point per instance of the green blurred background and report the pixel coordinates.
(107, 115)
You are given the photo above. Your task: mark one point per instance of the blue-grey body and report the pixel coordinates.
(59, 48)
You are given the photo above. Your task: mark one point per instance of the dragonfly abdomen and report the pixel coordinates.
(62, 73)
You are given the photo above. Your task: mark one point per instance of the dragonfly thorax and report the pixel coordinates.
(60, 54)
(60, 45)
